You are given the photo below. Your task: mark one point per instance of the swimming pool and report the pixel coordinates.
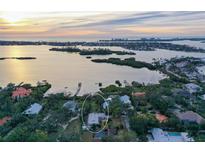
(174, 134)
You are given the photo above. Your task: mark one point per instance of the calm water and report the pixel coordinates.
(67, 70)
(191, 43)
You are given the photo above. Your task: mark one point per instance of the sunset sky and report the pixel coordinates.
(100, 25)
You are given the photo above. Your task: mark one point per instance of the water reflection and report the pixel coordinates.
(67, 70)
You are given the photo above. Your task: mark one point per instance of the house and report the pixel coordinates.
(21, 92)
(161, 118)
(181, 92)
(138, 94)
(109, 99)
(33, 109)
(158, 135)
(70, 105)
(190, 116)
(105, 105)
(203, 97)
(192, 88)
(181, 64)
(125, 99)
(4, 120)
(96, 118)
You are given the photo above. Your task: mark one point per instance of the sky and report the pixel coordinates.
(99, 25)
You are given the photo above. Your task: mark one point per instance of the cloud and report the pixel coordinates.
(103, 24)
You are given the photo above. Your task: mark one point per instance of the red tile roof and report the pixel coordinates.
(4, 120)
(21, 92)
(138, 94)
(160, 117)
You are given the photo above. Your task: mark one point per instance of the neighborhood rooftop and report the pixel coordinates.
(138, 94)
(33, 109)
(21, 92)
(190, 116)
(4, 120)
(70, 105)
(95, 118)
(125, 99)
(161, 117)
(192, 87)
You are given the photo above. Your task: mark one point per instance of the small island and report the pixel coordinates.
(18, 58)
(96, 51)
(126, 62)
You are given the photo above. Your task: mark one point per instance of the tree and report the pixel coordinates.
(173, 123)
(193, 128)
(158, 103)
(75, 137)
(19, 134)
(126, 136)
(115, 108)
(117, 82)
(38, 136)
(1, 139)
(141, 123)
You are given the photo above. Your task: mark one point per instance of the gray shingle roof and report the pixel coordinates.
(94, 118)
(70, 105)
(190, 116)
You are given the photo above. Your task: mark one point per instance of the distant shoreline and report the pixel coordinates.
(138, 45)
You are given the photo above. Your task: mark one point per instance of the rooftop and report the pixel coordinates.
(203, 96)
(4, 120)
(34, 109)
(21, 92)
(105, 105)
(70, 105)
(125, 99)
(192, 87)
(161, 117)
(190, 116)
(138, 94)
(95, 118)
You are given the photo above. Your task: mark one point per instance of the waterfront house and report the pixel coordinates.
(192, 87)
(4, 120)
(21, 92)
(125, 99)
(33, 109)
(190, 116)
(71, 106)
(96, 118)
(158, 135)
